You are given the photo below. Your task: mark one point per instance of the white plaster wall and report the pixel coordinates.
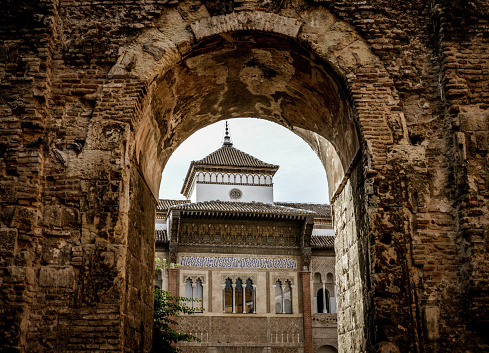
(322, 231)
(160, 224)
(210, 192)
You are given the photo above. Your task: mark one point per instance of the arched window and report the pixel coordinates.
(317, 277)
(283, 297)
(188, 291)
(322, 301)
(228, 296)
(194, 293)
(239, 297)
(198, 296)
(278, 297)
(330, 278)
(249, 297)
(287, 298)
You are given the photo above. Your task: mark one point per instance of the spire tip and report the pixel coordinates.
(227, 136)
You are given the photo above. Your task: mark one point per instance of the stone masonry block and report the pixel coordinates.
(8, 242)
(54, 276)
(257, 20)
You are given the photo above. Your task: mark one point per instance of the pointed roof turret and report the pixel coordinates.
(226, 157)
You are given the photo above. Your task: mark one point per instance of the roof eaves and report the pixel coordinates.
(186, 187)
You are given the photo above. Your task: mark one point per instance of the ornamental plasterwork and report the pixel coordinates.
(239, 262)
(243, 277)
(238, 235)
(193, 278)
(323, 266)
(283, 279)
(235, 194)
(232, 178)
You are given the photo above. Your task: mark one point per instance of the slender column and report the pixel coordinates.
(283, 298)
(234, 300)
(244, 298)
(223, 298)
(193, 295)
(254, 299)
(325, 308)
(306, 307)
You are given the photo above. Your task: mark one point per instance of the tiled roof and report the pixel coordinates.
(161, 236)
(164, 204)
(227, 155)
(322, 241)
(322, 210)
(241, 207)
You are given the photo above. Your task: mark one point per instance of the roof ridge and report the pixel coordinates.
(228, 155)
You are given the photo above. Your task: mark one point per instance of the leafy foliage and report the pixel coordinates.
(167, 309)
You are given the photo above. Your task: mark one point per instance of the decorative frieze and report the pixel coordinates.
(238, 235)
(237, 262)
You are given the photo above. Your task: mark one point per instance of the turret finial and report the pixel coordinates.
(227, 136)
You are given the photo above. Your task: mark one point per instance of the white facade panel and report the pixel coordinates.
(322, 231)
(160, 224)
(221, 192)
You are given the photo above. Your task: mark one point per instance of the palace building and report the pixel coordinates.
(262, 272)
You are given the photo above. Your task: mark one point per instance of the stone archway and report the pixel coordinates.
(320, 81)
(82, 144)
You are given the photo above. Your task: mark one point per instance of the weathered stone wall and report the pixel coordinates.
(242, 334)
(95, 96)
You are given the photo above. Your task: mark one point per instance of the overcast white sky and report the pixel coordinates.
(300, 178)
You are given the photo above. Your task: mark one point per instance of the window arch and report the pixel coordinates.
(239, 297)
(194, 293)
(317, 277)
(283, 297)
(249, 297)
(329, 277)
(228, 297)
(322, 301)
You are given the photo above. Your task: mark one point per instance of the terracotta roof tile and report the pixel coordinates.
(241, 207)
(322, 241)
(227, 155)
(164, 204)
(161, 236)
(322, 210)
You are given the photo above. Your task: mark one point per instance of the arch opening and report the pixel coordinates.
(271, 78)
(242, 75)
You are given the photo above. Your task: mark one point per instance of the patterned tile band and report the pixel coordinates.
(232, 262)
